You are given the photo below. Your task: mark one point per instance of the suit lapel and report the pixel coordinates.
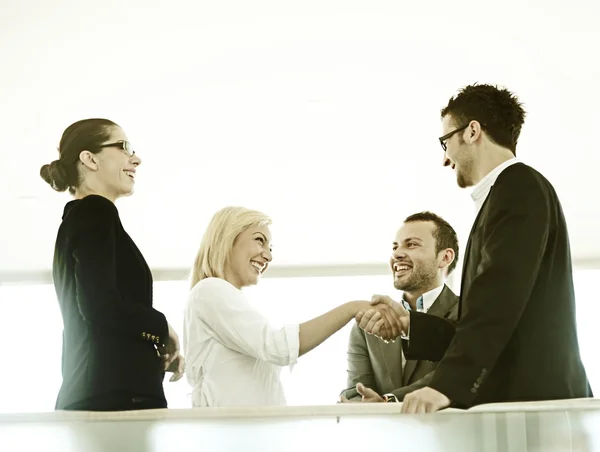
(440, 307)
(468, 250)
(444, 303)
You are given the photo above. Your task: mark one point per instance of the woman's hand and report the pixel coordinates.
(177, 367)
(170, 351)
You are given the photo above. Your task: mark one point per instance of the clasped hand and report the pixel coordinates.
(173, 361)
(386, 318)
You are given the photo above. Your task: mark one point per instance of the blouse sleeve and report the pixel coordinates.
(236, 324)
(93, 244)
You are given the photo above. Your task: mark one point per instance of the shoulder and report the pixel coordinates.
(92, 215)
(96, 208)
(213, 284)
(520, 185)
(520, 175)
(213, 289)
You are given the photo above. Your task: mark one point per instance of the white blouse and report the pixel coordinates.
(233, 355)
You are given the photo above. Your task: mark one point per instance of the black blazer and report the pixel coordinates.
(516, 338)
(104, 288)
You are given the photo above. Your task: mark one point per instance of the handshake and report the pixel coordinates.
(383, 317)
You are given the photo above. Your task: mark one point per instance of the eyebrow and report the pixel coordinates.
(265, 237)
(409, 239)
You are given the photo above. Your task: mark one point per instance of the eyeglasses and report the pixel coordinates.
(448, 135)
(123, 145)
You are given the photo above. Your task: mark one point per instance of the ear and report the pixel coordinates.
(89, 160)
(474, 132)
(447, 257)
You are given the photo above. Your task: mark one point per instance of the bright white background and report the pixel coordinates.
(31, 320)
(323, 113)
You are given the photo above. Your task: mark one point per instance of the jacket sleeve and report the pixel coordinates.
(430, 337)
(93, 243)
(360, 369)
(420, 383)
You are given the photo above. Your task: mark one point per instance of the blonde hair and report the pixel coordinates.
(219, 238)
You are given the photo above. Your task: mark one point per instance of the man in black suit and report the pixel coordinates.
(516, 337)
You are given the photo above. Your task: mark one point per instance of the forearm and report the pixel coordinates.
(105, 309)
(430, 337)
(315, 331)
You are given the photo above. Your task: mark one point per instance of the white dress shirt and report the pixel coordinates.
(483, 187)
(234, 356)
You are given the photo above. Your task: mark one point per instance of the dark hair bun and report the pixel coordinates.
(56, 175)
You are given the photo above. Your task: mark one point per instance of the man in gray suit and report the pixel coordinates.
(424, 253)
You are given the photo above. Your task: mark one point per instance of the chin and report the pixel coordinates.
(126, 193)
(462, 182)
(253, 281)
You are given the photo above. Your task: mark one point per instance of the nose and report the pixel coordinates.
(446, 161)
(136, 160)
(399, 253)
(267, 255)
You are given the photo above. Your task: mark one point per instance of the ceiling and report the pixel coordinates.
(324, 114)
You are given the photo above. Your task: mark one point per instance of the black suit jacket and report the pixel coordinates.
(104, 288)
(516, 338)
(378, 365)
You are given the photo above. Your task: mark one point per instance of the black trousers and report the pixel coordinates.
(118, 401)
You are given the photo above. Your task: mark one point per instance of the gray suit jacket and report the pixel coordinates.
(378, 365)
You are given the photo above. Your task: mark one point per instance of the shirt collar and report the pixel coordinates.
(483, 187)
(425, 301)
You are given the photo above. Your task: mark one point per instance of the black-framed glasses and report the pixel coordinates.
(123, 145)
(449, 134)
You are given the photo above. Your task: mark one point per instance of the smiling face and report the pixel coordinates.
(414, 261)
(250, 257)
(111, 171)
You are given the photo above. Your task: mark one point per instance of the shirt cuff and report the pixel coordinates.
(407, 335)
(292, 334)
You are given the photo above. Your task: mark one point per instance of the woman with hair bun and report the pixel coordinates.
(116, 346)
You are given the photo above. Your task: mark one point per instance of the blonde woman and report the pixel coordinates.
(234, 356)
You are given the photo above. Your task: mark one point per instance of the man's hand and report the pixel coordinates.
(396, 318)
(368, 396)
(424, 400)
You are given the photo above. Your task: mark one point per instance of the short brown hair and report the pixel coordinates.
(444, 234)
(499, 112)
